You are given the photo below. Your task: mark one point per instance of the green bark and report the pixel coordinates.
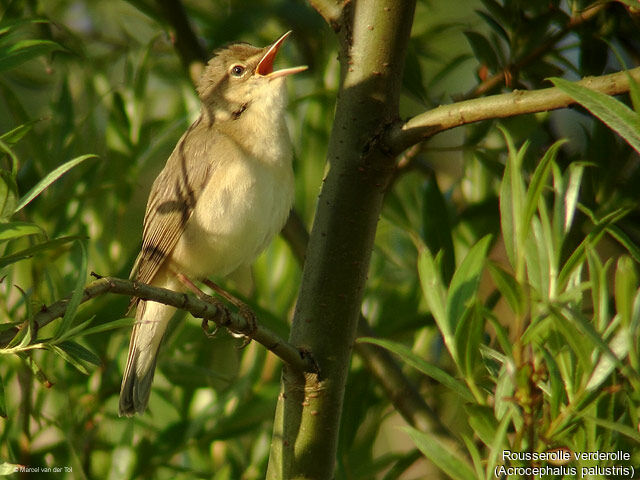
(373, 38)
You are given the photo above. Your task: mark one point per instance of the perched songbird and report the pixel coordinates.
(225, 191)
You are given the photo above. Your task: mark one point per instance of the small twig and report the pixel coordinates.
(499, 78)
(403, 135)
(198, 308)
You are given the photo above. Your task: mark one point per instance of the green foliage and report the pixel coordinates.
(504, 277)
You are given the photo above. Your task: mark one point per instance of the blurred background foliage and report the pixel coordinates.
(86, 77)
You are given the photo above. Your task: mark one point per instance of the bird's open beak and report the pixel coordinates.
(265, 66)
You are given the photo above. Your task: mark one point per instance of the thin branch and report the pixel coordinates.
(574, 22)
(403, 135)
(297, 359)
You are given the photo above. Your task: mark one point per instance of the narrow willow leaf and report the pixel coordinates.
(624, 240)
(504, 390)
(3, 401)
(498, 443)
(9, 26)
(437, 227)
(536, 259)
(605, 366)
(49, 179)
(556, 394)
(22, 51)
(465, 281)
(38, 373)
(14, 159)
(78, 292)
(577, 257)
(476, 457)
(120, 323)
(7, 468)
(31, 251)
(509, 288)
(582, 325)
(482, 421)
(435, 294)
(571, 195)
(14, 135)
(8, 195)
(13, 230)
(420, 364)
(626, 282)
(616, 427)
(78, 351)
(512, 200)
(538, 181)
(469, 332)
(441, 455)
(616, 115)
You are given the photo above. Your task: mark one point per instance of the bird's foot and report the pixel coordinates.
(221, 309)
(243, 309)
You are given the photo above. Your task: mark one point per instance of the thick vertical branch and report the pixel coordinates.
(373, 38)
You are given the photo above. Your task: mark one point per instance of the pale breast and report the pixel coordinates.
(244, 204)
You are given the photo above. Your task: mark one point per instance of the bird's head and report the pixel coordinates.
(240, 78)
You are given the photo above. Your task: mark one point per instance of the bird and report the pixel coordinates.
(224, 193)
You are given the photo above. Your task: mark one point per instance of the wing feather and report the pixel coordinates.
(173, 197)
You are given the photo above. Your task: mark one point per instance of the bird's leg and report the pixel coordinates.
(242, 307)
(221, 307)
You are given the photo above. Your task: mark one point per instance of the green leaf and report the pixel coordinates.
(512, 201)
(582, 325)
(49, 179)
(605, 366)
(509, 288)
(624, 240)
(7, 468)
(8, 195)
(538, 181)
(616, 427)
(420, 364)
(13, 230)
(482, 421)
(464, 284)
(571, 195)
(616, 115)
(496, 446)
(441, 455)
(469, 333)
(31, 251)
(435, 295)
(14, 159)
(10, 26)
(3, 401)
(14, 135)
(35, 369)
(78, 292)
(483, 50)
(75, 354)
(437, 227)
(556, 395)
(82, 330)
(577, 257)
(626, 283)
(22, 51)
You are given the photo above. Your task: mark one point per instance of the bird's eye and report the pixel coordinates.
(237, 70)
